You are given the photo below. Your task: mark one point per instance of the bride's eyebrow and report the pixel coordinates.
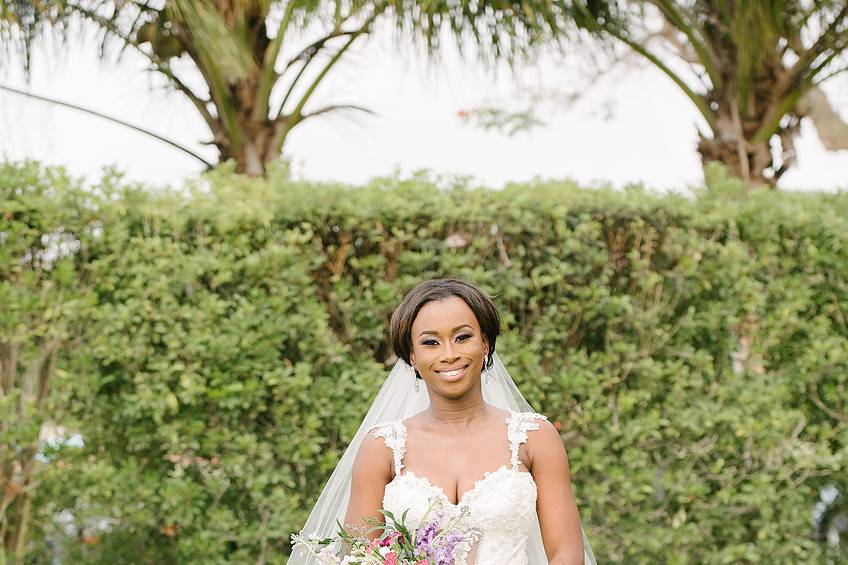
(437, 333)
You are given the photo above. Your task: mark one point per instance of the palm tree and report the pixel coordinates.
(752, 68)
(258, 73)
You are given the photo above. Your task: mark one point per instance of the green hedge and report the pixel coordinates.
(693, 351)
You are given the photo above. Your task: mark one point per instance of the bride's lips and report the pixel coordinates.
(453, 375)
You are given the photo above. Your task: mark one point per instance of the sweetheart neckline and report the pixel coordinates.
(486, 476)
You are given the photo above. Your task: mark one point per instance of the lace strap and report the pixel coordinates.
(394, 434)
(518, 424)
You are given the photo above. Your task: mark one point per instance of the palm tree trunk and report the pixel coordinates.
(257, 150)
(734, 141)
(753, 163)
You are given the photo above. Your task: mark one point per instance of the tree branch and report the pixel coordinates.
(159, 65)
(697, 99)
(106, 117)
(778, 109)
(335, 107)
(218, 87)
(307, 55)
(296, 114)
(705, 53)
(830, 75)
(269, 75)
(8, 367)
(806, 58)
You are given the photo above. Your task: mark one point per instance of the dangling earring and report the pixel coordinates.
(415, 376)
(487, 371)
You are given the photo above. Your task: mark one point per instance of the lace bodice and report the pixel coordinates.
(502, 504)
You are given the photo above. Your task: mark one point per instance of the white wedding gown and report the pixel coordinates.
(502, 504)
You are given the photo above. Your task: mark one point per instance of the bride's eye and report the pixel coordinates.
(429, 342)
(463, 337)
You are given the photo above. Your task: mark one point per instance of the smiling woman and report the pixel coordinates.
(468, 448)
(459, 352)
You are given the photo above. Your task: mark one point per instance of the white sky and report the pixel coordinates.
(650, 136)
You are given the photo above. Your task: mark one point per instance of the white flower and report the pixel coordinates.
(327, 554)
(384, 551)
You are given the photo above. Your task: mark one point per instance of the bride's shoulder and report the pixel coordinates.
(544, 428)
(374, 458)
(543, 439)
(383, 428)
(521, 424)
(391, 435)
(527, 420)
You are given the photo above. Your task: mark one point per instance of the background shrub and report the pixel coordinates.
(693, 353)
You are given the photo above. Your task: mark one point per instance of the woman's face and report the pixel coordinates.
(448, 348)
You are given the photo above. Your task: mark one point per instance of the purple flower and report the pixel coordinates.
(445, 551)
(425, 536)
(439, 546)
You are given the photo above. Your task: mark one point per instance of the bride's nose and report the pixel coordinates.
(447, 352)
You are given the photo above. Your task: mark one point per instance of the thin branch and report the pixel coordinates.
(296, 115)
(307, 55)
(160, 65)
(806, 58)
(335, 107)
(705, 53)
(8, 367)
(778, 109)
(817, 400)
(269, 74)
(106, 117)
(836, 51)
(802, 74)
(143, 10)
(698, 100)
(219, 89)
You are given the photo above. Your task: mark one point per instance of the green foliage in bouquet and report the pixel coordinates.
(693, 353)
(438, 537)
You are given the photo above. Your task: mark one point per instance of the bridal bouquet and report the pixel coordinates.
(435, 540)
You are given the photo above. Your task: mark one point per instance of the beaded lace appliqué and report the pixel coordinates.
(518, 424)
(394, 434)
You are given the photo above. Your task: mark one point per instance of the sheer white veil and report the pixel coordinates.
(397, 400)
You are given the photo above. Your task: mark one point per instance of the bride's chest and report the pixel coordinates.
(504, 499)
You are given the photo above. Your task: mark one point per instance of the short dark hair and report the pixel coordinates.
(435, 290)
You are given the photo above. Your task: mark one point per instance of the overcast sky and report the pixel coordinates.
(632, 127)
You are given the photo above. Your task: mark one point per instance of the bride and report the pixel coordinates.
(450, 425)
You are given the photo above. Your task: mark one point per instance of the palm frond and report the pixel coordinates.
(22, 22)
(498, 29)
(218, 44)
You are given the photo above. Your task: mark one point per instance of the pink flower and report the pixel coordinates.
(390, 559)
(422, 562)
(390, 539)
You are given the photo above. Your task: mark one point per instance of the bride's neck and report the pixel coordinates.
(457, 414)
